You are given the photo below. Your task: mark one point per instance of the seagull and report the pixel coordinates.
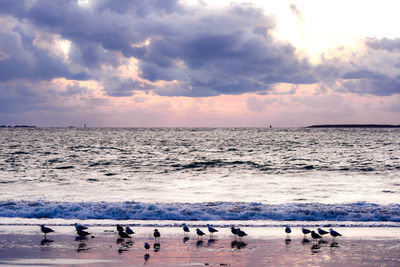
(305, 231)
(129, 231)
(156, 234)
(288, 230)
(211, 229)
(46, 230)
(82, 233)
(147, 247)
(80, 227)
(315, 236)
(199, 233)
(120, 228)
(322, 232)
(240, 233)
(334, 233)
(233, 230)
(185, 229)
(123, 234)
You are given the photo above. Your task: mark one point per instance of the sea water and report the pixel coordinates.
(220, 174)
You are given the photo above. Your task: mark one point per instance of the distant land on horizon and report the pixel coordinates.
(354, 126)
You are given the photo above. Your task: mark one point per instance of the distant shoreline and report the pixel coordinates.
(354, 126)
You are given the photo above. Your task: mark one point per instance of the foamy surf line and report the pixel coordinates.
(211, 211)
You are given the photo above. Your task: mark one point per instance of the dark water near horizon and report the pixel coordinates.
(200, 173)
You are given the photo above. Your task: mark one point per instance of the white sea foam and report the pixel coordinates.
(356, 212)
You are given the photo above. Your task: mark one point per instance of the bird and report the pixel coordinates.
(129, 231)
(322, 232)
(234, 231)
(146, 246)
(45, 230)
(120, 228)
(156, 234)
(334, 233)
(305, 231)
(80, 227)
(199, 233)
(82, 233)
(124, 234)
(288, 230)
(240, 233)
(315, 236)
(212, 230)
(185, 229)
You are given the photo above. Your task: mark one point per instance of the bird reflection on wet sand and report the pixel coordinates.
(146, 258)
(211, 241)
(46, 241)
(156, 247)
(238, 244)
(199, 243)
(315, 248)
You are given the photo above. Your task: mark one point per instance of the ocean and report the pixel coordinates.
(348, 175)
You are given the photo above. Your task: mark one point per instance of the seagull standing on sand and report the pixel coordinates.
(234, 231)
(46, 230)
(129, 231)
(123, 234)
(240, 233)
(185, 229)
(199, 233)
(147, 247)
(322, 232)
(305, 231)
(288, 230)
(120, 228)
(211, 229)
(315, 236)
(80, 227)
(156, 234)
(333, 233)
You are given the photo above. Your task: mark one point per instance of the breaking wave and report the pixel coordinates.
(358, 211)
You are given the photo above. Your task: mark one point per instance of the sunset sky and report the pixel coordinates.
(169, 63)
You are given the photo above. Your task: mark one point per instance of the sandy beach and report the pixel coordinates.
(26, 246)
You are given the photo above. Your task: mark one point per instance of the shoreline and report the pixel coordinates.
(25, 246)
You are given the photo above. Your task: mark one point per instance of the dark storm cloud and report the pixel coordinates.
(377, 72)
(200, 51)
(210, 51)
(373, 87)
(21, 59)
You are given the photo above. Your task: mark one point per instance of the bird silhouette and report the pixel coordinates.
(211, 229)
(129, 231)
(333, 233)
(322, 232)
(199, 233)
(305, 231)
(46, 230)
(315, 236)
(156, 234)
(185, 229)
(80, 227)
(240, 233)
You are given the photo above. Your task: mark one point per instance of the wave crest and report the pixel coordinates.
(130, 210)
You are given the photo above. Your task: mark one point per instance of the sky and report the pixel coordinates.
(190, 63)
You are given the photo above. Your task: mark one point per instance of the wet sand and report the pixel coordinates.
(26, 246)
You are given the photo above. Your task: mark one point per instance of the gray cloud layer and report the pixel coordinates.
(208, 51)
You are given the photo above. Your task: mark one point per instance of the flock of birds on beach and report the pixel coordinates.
(127, 232)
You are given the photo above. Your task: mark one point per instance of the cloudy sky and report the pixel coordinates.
(189, 63)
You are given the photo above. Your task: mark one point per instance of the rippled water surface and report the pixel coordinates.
(268, 166)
